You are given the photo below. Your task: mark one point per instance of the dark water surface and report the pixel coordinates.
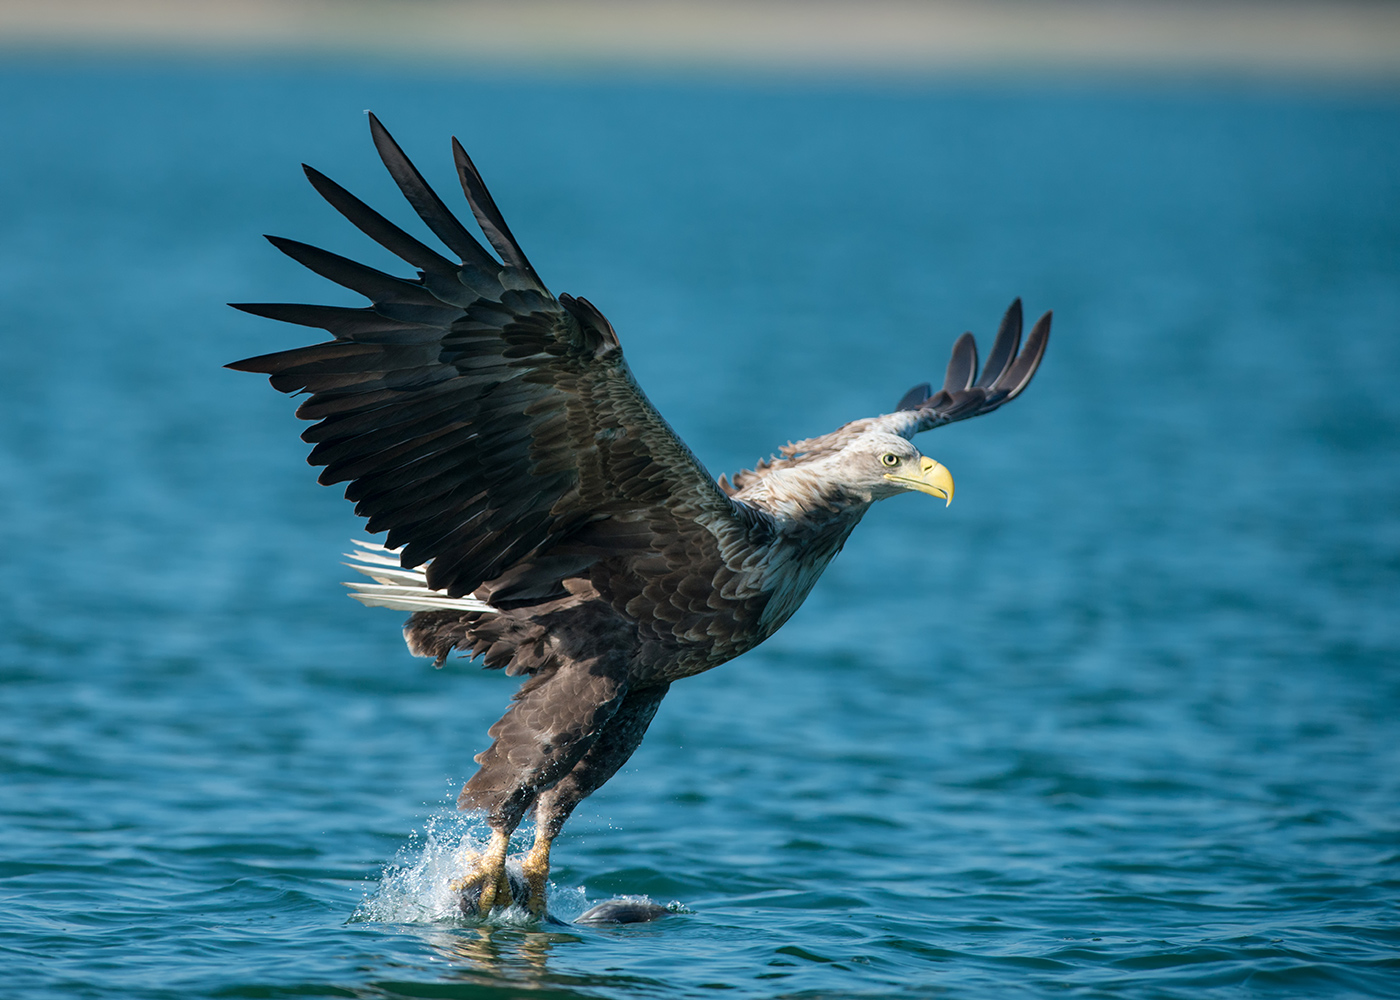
(1121, 722)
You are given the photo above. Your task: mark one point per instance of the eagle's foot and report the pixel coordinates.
(487, 886)
(482, 891)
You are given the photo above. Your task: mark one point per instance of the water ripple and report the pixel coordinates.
(1119, 723)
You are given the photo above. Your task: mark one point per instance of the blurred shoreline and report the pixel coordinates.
(1343, 40)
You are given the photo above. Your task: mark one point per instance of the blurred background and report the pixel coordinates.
(1121, 721)
(1346, 38)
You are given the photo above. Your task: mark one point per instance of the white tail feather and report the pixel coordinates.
(399, 588)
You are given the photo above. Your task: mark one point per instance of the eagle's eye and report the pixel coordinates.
(890, 459)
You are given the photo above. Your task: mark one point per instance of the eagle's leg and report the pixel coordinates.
(612, 748)
(535, 868)
(556, 718)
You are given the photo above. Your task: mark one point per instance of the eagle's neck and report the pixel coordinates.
(814, 517)
(804, 499)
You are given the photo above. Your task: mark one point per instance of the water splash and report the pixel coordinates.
(414, 888)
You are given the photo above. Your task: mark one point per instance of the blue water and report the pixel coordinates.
(1120, 722)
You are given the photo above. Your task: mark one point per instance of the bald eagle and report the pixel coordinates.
(542, 515)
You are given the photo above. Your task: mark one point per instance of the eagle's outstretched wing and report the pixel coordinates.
(476, 417)
(965, 393)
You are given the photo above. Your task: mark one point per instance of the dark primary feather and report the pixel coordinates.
(488, 216)
(426, 202)
(383, 289)
(962, 366)
(1004, 348)
(915, 397)
(378, 228)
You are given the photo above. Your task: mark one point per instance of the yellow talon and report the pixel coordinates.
(489, 872)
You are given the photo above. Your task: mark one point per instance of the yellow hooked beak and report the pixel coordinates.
(933, 479)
